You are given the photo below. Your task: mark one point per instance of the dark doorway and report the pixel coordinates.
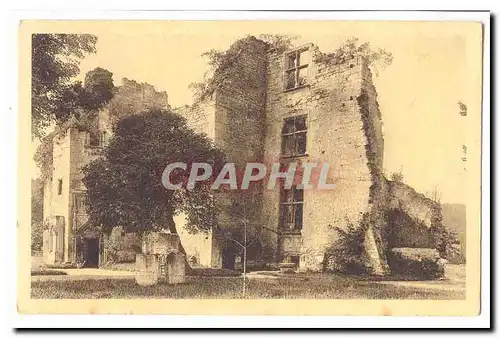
(228, 258)
(91, 252)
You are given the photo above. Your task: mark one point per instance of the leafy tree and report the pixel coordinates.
(36, 215)
(37, 236)
(54, 62)
(77, 106)
(44, 156)
(124, 185)
(36, 200)
(98, 89)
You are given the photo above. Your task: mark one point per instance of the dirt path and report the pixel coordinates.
(85, 274)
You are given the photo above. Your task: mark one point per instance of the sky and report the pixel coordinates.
(434, 66)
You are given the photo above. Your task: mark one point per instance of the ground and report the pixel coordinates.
(103, 283)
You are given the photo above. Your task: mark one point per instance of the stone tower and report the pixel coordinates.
(288, 106)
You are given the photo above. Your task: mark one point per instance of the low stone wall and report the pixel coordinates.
(161, 261)
(416, 263)
(122, 247)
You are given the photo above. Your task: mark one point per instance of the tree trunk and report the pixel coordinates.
(173, 230)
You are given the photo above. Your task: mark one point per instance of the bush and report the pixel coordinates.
(123, 249)
(416, 263)
(36, 237)
(347, 255)
(448, 244)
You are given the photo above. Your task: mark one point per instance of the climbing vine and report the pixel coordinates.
(377, 58)
(223, 65)
(44, 154)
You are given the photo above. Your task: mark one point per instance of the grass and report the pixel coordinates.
(300, 286)
(210, 272)
(195, 271)
(44, 272)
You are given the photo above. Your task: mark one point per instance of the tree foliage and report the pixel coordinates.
(462, 108)
(44, 156)
(78, 107)
(347, 255)
(36, 200)
(55, 61)
(124, 185)
(98, 89)
(37, 226)
(397, 177)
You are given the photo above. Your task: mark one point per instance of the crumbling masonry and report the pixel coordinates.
(277, 106)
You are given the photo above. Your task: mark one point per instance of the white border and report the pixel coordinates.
(9, 198)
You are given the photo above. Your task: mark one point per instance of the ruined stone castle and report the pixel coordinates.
(278, 106)
(68, 237)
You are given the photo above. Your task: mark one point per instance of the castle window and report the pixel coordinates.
(291, 209)
(295, 259)
(103, 138)
(294, 136)
(79, 203)
(59, 187)
(92, 140)
(296, 63)
(96, 139)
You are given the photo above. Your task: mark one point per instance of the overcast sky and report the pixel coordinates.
(434, 67)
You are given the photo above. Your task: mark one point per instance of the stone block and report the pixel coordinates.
(172, 268)
(416, 263)
(147, 269)
(160, 269)
(158, 243)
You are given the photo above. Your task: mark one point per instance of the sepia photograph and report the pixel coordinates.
(251, 161)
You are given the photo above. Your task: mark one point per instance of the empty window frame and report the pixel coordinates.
(291, 209)
(296, 68)
(294, 136)
(59, 186)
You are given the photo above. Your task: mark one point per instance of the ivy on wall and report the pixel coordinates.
(223, 65)
(376, 57)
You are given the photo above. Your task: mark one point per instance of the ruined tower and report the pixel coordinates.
(297, 106)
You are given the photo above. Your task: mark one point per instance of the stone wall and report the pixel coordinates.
(415, 204)
(160, 260)
(72, 151)
(200, 117)
(133, 98)
(198, 246)
(337, 135)
(56, 204)
(233, 118)
(412, 218)
(122, 247)
(245, 118)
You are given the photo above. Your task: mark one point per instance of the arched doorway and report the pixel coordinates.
(90, 251)
(228, 257)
